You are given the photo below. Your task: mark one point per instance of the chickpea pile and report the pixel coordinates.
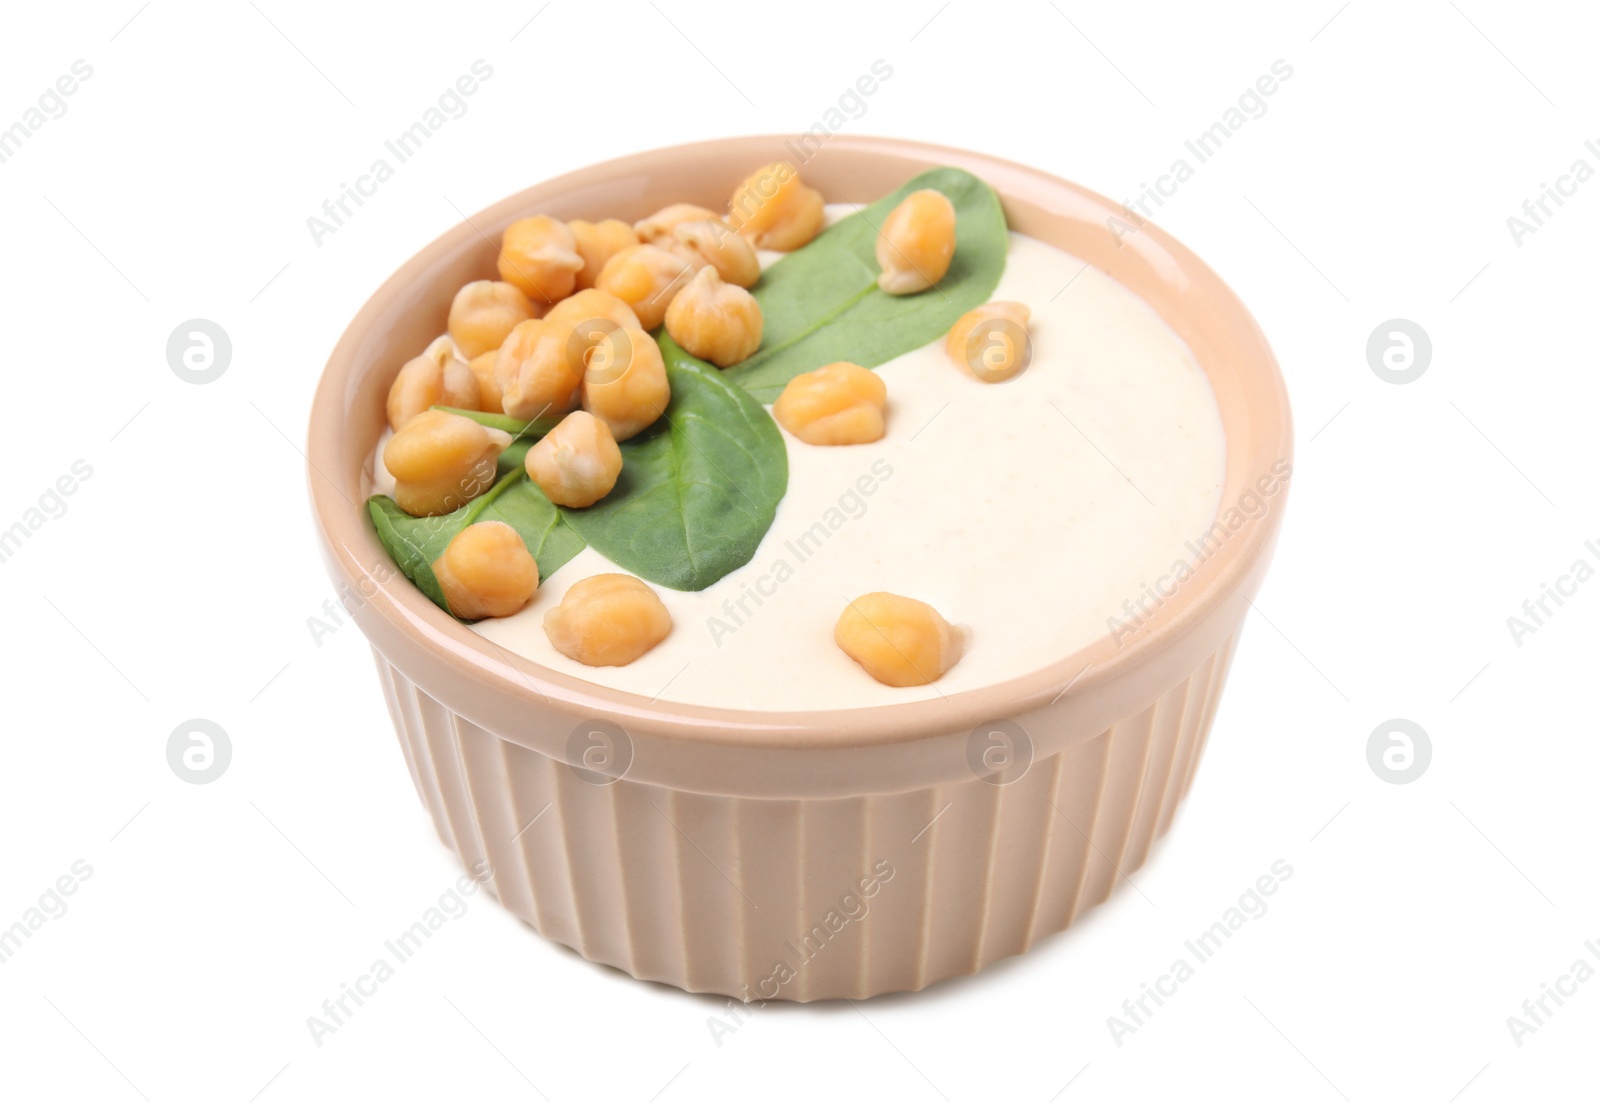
(563, 336)
(565, 329)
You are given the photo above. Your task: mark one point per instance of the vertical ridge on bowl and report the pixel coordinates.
(996, 817)
(1222, 660)
(1115, 805)
(1160, 743)
(578, 823)
(1046, 849)
(489, 759)
(513, 878)
(831, 829)
(1021, 835)
(712, 893)
(629, 900)
(649, 890)
(391, 698)
(1090, 791)
(1187, 716)
(1207, 679)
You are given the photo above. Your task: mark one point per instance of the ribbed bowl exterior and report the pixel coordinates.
(813, 898)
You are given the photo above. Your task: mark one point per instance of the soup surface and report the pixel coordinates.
(1028, 512)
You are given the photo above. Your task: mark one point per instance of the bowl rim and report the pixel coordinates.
(391, 608)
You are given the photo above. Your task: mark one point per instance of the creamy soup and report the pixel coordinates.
(1028, 512)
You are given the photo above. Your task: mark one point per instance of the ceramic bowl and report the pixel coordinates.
(802, 856)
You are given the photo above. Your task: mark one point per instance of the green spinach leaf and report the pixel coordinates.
(822, 303)
(415, 543)
(698, 490)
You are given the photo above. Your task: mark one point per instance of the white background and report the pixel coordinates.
(179, 582)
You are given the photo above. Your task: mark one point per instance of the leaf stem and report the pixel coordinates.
(481, 503)
(533, 428)
(766, 354)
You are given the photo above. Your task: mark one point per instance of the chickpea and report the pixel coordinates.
(483, 313)
(540, 256)
(577, 463)
(898, 641)
(658, 228)
(590, 305)
(625, 381)
(714, 321)
(486, 571)
(597, 243)
(607, 621)
(645, 278)
(488, 383)
(537, 372)
(713, 242)
(687, 254)
(774, 210)
(435, 378)
(991, 342)
(837, 404)
(441, 462)
(916, 242)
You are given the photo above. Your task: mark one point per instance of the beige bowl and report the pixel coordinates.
(804, 855)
